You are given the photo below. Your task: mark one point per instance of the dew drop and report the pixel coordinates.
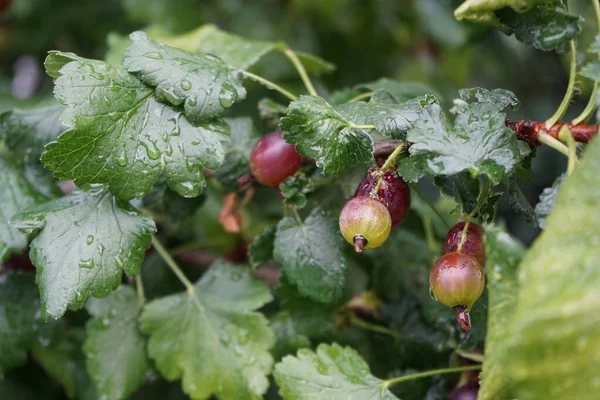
(192, 101)
(86, 263)
(89, 240)
(432, 295)
(227, 95)
(186, 85)
(153, 56)
(151, 150)
(122, 158)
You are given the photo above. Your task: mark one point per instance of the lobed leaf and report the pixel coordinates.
(85, 243)
(15, 195)
(311, 255)
(261, 249)
(115, 349)
(484, 10)
(547, 200)
(555, 320)
(203, 84)
(211, 338)
(19, 306)
(332, 372)
(477, 141)
(122, 137)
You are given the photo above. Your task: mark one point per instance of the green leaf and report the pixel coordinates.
(333, 135)
(211, 338)
(399, 91)
(332, 372)
(270, 111)
(261, 249)
(204, 85)
(85, 243)
(19, 304)
(288, 337)
(408, 168)
(478, 140)
(461, 188)
(115, 350)
(545, 27)
(311, 255)
(554, 326)
(15, 195)
(547, 199)
(484, 10)
(519, 202)
(121, 136)
(237, 152)
(57, 360)
(503, 255)
(295, 188)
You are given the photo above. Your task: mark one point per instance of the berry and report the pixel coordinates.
(365, 223)
(457, 281)
(393, 192)
(473, 245)
(273, 159)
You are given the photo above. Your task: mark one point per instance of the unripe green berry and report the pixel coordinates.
(457, 281)
(365, 223)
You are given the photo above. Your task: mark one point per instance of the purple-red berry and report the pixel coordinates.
(457, 281)
(273, 159)
(473, 244)
(466, 392)
(365, 223)
(392, 191)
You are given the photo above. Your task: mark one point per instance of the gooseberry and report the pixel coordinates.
(457, 281)
(473, 244)
(365, 223)
(392, 191)
(273, 159)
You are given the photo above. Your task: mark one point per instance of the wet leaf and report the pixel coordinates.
(223, 349)
(122, 137)
(547, 199)
(85, 242)
(332, 372)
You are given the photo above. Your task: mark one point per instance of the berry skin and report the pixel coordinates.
(473, 245)
(393, 192)
(457, 281)
(466, 392)
(273, 159)
(365, 223)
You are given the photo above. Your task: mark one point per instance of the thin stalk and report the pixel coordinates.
(425, 374)
(548, 140)
(270, 85)
(431, 242)
(565, 136)
(483, 195)
(172, 264)
(471, 355)
(361, 323)
(361, 96)
(139, 285)
(391, 160)
(562, 109)
(289, 53)
(430, 204)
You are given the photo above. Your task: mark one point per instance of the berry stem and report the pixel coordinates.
(565, 136)
(139, 285)
(562, 108)
(361, 323)
(430, 204)
(289, 53)
(589, 108)
(361, 96)
(483, 196)
(172, 264)
(548, 140)
(269, 84)
(425, 374)
(391, 160)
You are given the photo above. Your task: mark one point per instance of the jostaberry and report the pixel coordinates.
(273, 159)
(393, 192)
(473, 244)
(365, 223)
(457, 281)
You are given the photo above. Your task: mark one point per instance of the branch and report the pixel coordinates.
(528, 131)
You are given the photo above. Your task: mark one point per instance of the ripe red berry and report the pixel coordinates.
(457, 281)
(466, 392)
(273, 159)
(473, 244)
(365, 223)
(393, 192)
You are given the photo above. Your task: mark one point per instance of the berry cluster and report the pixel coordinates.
(457, 279)
(380, 203)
